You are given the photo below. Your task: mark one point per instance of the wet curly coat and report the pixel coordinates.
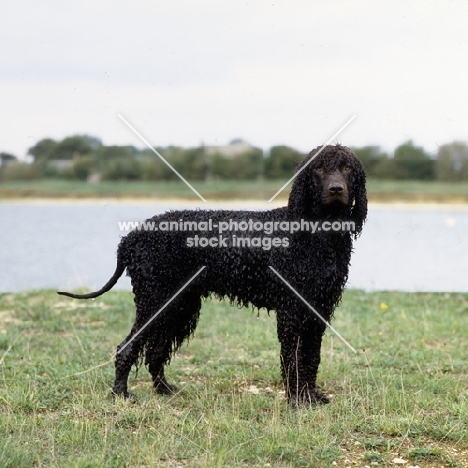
(330, 187)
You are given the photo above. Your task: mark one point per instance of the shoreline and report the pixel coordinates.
(248, 203)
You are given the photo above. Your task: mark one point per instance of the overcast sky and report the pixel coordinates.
(194, 71)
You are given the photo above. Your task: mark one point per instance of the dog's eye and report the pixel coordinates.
(319, 168)
(347, 168)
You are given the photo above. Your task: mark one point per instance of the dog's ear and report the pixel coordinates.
(302, 196)
(359, 208)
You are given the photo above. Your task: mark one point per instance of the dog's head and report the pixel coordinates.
(330, 182)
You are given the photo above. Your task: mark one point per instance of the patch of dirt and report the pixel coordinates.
(7, 318)
(72, 305)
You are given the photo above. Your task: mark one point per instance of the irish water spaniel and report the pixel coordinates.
(329, 188)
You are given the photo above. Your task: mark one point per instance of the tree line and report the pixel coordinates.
(84, 157)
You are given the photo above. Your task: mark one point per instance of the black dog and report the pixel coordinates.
(329, 187)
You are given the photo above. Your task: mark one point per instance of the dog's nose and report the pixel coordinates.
(336, 188)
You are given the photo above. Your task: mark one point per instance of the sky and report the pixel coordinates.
(186, 72)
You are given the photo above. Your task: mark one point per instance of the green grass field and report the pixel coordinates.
(404, 396)
(378, 190)
(163, 189)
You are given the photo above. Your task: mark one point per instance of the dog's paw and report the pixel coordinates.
(127, 396)
(319, 397)
(308, 399)
(163, 387)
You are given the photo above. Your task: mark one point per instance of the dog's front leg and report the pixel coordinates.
(312, 343)
(300, 358)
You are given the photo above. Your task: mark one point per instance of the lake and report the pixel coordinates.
(72, 245)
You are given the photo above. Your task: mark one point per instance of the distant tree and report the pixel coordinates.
(247, 165)
(371, 156)
(387, 169)
(22, 171)
(6, 157)
(190, 162)
(83, 167)
(75, 146)
(414, 162)
(43, 149)
(452, 161)
(281, 162)
(122, 169)
(220, 166)
(110, 153)
(153, 168)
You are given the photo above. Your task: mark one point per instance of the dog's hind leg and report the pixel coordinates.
(176, 324)
(126, 356)
(158, 354)
(131, 349)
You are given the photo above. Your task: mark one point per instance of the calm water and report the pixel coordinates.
(66, 246)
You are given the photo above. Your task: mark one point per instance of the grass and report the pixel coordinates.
(55, 188)
(404, 395)
(378, 190)
(417, 191)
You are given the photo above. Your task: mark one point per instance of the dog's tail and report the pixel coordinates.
(108, 286)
